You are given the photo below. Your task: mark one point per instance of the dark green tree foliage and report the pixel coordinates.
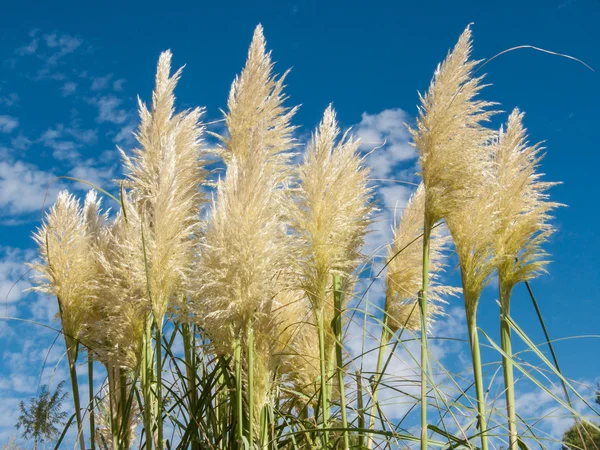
(591, 436)
(572, 437)
(41, 419)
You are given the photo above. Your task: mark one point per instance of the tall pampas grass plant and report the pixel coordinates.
(523, 210)
(449, 137)
(330, 216)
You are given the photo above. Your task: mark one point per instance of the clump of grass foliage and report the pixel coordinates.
(221, 323)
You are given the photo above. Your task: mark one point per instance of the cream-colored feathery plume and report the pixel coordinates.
(164, 176)
(404, 276)
(473, 229)
(332, 210)
(66, 269)
(330, 215)
(122, 309)
(256, 100)
(244, 253)
(109, 429)
(449, 134)
(523, 226)
(522, 203)
(114, 322)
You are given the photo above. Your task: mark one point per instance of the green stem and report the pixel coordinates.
(146, 381)
(123, 400)
(251, 386)
(424, 343)
(478, 374)
(190, 365)
(324, 396)
(72, 350)
(238, 391)
(91, 398)
(159, 402)
(264, 428)
(114, 411)
(361, 410)
(384, 340)
(507, 363)
(337, 302)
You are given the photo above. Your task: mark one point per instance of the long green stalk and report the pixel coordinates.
(251, 386)
(239, 395)
(424, 344)
(159, 403)
(478, 375)
(91, 401)
(324, 377)
(264, 428)
(507, 364)
(360, 410)
(125, 410)
(383, 341)
(114, 421)
(190, 369)
(337, 302)
(72, 351)
(146, 381)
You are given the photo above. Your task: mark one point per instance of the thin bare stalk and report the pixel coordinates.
(337, 300)
(424, 344)
(478, 374)
(114, 409)
(360, 409)
(507, 364)
(72, 350)
(190, 368)
(324, 393)
(239, 395)
(251, 385)
(159, 404)
(91, 401)
(146, 381)
(124, 408)
(383, 341)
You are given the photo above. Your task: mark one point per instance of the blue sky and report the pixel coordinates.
(70, 73)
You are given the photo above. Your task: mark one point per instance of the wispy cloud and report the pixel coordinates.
(12, 281)
(23, 188)
(69, 88)
(100, 83)
(386, 133)
(110, 109)
(391, 157)
(8, 123)
(9, 99)
(51, 49)
(66, 141)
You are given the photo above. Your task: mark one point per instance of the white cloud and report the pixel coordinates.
(118, 84)
(125, 136)
(31, 47)
(8, 123)
(10, 99)
(385, 136)
(62, 45)
(109, 109)
(20, 142)
(386, 133)
(23, 188)
(49, 48)
(100, 83)
(12, 271)
(65, 141)
(69, 88)
(98, 176)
